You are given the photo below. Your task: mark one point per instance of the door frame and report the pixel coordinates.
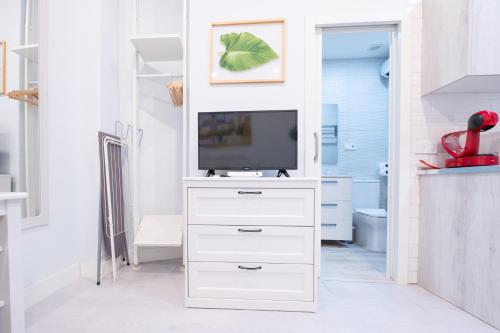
(398, 214)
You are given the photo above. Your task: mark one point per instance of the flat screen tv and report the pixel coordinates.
(247, 140)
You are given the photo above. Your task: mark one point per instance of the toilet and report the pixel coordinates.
(371, 228)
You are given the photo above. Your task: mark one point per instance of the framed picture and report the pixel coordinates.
(3, 67)
(247, 51)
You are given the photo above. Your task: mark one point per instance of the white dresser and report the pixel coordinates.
(11, 264)
(336, 208)
(251, 243)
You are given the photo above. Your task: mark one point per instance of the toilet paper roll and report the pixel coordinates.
(384, 172)
(383, 165)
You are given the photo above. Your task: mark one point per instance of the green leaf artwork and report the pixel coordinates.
(244, 51)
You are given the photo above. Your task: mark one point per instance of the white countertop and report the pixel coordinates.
(259, 179)
(335, 176)
(455, 171)
(252, 182)
(12, 195)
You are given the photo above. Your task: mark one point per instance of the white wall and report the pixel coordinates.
(97, 109)
(109, 32)
(288, 95)
(82, 99)
(54, 247)
(361, 94)
(159, 16)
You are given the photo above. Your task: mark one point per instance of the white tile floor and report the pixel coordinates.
(349, 262)
(151, 301)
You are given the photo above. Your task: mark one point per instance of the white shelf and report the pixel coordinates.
(2, 304)
(158, 47)
(160, 230)
(158, 76)
(28, 51)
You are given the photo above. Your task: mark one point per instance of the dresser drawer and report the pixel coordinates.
(339, 230)
(251, 206)
(335, 189)
(251, 244)
(338, 211)
(279, 282)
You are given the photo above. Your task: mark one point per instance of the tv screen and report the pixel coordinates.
(247, 140)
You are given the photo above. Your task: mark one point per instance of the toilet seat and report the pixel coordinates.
(373, 212)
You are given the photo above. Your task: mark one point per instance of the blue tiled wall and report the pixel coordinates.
(361, 94)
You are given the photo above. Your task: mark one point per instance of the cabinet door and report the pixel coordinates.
(336, 221)
(335, 189)
(339, 230)
(251, 206)
(251, 244)
(485, 47)
(445, 43)
(279, 282)
(338, 211)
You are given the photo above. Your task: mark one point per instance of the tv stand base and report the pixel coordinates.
(283, 172)
(210, 173)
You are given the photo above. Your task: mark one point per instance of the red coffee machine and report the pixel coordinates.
(468, 154)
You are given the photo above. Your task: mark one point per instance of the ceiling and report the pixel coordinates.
(353, 45)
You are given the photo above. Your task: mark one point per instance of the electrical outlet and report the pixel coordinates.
(349, 146)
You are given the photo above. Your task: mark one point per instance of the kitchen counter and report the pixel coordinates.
(454, 171)
(459, 239)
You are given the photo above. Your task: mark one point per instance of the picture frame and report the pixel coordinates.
(263, 59)
(3, 67)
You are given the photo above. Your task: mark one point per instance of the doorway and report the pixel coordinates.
(355, 153)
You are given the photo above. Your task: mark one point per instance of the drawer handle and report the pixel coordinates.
(250, 268)
(330, 204)
(331, 181)
(249, 192)
(330, 224)
(250, 230)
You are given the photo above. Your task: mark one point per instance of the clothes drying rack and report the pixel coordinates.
(112, 206)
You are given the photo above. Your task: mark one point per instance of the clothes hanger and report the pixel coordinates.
(29, 95)
(175, 90)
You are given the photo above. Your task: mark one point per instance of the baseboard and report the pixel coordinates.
(41, 290)
(84, 269)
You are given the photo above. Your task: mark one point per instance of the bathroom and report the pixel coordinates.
(355, 154)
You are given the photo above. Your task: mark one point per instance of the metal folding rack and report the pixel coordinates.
(112, 228)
